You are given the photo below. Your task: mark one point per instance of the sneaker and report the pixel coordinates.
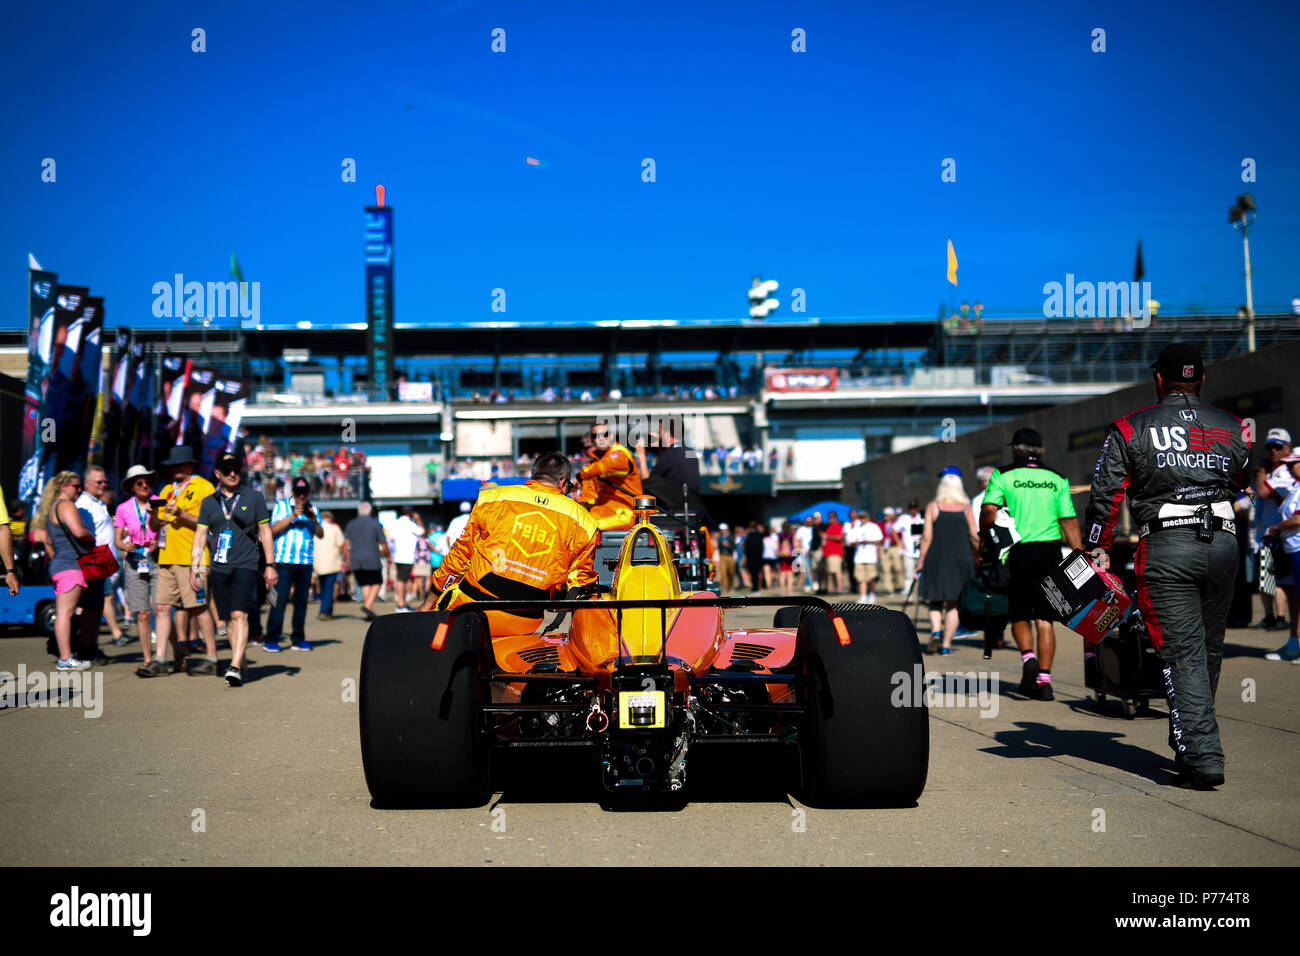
(203, 667)
(221, 632)
(935, 640)
(122, 641)
(1189, 779)
(300, 646)
(403, 609)
(1045, 691)
(233, 677)
(99, 660)
(1283, 653)
(155, 668)
(1278, 624)
(370, 615)
(1029, 678)
(257, 642)
(945, 650)
(324, 617)
(272, 647)
(72, 663)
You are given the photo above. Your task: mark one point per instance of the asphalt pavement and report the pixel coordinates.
(185, 770)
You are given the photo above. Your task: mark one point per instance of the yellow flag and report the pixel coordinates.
(952, 263)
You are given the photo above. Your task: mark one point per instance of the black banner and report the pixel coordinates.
(114, 449)
(68, 448)
(137, 416)
(41, 291)
(167, 414)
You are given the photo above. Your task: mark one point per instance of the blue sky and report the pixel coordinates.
(819, 169)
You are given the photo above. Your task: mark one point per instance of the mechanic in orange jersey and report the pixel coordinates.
(617, 481)
(521, 543)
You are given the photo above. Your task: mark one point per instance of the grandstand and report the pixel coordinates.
(808, 398)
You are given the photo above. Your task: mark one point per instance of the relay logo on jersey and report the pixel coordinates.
(534, 534)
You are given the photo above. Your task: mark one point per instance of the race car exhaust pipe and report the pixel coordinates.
(597, 721)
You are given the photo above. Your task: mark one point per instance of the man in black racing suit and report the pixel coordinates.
(1182, 464)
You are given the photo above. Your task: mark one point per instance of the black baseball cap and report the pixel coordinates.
(1180, 362)
(229, 462)
(1027, 436)
(301, 484)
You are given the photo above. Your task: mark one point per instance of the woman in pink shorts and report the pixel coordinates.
(59, 517)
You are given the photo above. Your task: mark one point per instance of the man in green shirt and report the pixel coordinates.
(1038, 500)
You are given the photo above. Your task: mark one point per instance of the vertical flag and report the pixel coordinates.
(137, 418)
(195, 408)
(952, 263)
(83, 393)
(41, 287)
(111, 433)
(63, 372)
(167, 430)
(223, 411)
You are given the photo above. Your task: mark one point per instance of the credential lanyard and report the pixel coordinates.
(141, 516)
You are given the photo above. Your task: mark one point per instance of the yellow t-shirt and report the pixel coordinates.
(179, 538)
(4, 512)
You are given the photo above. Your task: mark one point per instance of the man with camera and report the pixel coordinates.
(295, 524)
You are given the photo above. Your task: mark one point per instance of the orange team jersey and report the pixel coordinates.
(521, 543)
(615, 476)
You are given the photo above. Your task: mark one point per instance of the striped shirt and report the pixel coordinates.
(294, 545)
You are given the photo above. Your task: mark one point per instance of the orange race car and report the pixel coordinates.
(643, 676)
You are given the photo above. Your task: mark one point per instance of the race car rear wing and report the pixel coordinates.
(727, 603)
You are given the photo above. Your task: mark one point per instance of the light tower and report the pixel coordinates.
(1242, 216)
(760, 305)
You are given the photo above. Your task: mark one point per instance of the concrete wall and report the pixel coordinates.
(1264, 386)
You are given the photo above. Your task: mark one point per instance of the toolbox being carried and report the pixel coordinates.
(1125, 666)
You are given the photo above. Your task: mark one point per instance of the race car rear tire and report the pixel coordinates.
(787, 616)
(865, 740)
(422, 738)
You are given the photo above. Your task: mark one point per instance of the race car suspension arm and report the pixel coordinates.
(727, 604)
